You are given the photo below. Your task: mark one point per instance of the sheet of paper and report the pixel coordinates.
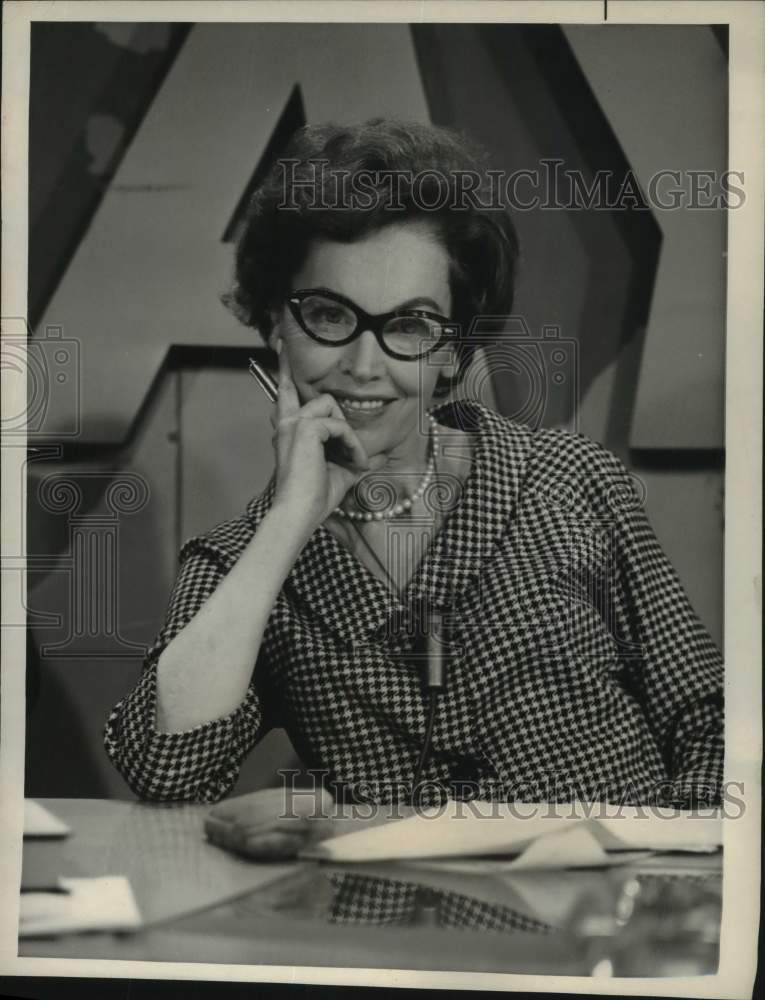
(436, 832)
(638, 828)
(513, 829)
(40, 822)
(574, 847)
(172, 868)
(84, 904)
(579, 854)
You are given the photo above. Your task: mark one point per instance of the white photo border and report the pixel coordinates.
(743, 537)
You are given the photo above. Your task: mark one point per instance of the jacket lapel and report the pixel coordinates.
(331, 582)
(481, 516)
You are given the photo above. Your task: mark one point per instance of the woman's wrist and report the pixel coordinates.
(290, 521)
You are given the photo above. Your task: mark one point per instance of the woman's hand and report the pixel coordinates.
(271, 825)
(307, 482)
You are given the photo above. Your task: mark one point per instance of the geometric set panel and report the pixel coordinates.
(678, 123)
(149, 271)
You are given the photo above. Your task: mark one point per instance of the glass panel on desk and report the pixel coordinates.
(629, 922)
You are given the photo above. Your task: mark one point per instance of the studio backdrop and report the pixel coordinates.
(146, 141)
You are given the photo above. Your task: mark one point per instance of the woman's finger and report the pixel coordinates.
(322, 406)
(236, 835)
(224, 833)
(274, 846)
(338, 452)
(377, 462)
(266, 844)
(288, 403)
(332, 428)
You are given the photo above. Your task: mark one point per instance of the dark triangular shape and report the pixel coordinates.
(291, 119)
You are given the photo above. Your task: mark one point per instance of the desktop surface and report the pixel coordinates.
(199, 903)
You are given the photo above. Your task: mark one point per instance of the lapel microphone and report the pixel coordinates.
(432, 653)
(437, 648)
(431, 648)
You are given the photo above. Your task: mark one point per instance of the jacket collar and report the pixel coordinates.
(331, 583)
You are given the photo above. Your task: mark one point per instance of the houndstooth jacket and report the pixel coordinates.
(578, 667)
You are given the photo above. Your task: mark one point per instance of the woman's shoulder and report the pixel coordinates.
(571, 451)
(534, 447)
(582, 472)
(549, 460)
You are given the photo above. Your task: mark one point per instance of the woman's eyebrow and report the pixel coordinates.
(417, 302)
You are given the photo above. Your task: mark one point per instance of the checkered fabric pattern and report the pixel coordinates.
(578, 666)
(368, 900)
(456, 910)
(363, 899)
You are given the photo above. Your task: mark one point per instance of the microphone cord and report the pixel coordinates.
(434, 671)
(432, 698)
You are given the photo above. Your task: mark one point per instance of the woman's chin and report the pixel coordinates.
(376, 429)
(373, 441)
(381, 433)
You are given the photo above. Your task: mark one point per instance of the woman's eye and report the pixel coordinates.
(332, 315)
(411, 327)
(325, 314)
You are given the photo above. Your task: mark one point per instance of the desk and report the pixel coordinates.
(201, 904)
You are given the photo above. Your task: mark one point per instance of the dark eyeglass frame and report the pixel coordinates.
(365, 321)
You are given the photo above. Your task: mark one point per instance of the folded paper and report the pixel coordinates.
(537, 836)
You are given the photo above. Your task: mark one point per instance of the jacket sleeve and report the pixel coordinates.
(199, 764)
(670, 661)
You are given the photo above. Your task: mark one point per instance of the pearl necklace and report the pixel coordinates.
(405, 504)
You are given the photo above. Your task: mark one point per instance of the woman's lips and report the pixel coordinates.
(366, 408)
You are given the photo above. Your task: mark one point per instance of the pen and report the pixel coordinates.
(264, 380)
(334, 450)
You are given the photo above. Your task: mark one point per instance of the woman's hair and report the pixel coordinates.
(340, 183)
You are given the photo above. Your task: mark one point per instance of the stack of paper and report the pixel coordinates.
(81, 904)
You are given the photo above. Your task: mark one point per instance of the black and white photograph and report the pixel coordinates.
(381, 438)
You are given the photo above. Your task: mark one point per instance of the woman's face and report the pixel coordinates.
(401, 265)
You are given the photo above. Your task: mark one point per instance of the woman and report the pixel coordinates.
(576, 666)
